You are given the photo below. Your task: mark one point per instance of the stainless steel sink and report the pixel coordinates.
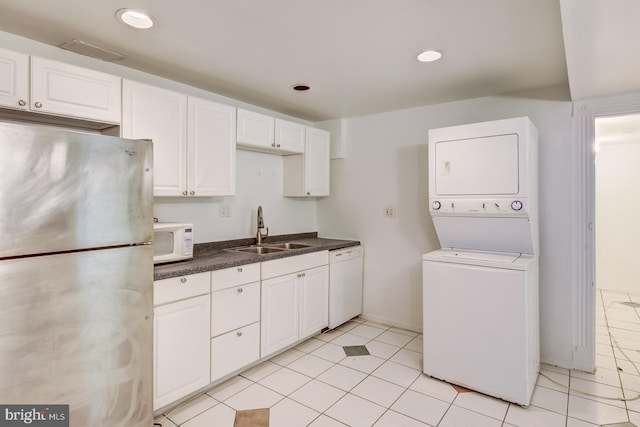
(288, 245)
(260, 250)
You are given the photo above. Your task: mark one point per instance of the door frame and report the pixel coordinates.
(583, 207)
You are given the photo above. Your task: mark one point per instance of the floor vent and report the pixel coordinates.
(356, 350)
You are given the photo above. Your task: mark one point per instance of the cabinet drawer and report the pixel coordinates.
(234, 350)
(234, 307)
(279, 267)
(177, 288)
(234, 276)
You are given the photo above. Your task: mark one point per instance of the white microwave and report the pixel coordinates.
(172, 241)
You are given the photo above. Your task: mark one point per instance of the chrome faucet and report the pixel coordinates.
(259, 235)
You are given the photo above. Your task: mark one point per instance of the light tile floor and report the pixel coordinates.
(316, 385)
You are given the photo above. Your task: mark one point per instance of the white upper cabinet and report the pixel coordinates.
(58, 89)
(193, 140)
(67, 90)
(308, 174)
(14, 80)
(211, 148)
(260, 132)
(149, 112)
(289, 136)
(255, 130)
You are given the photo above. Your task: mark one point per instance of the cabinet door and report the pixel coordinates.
(150, 112)
(181, 349)
(314, 301)
(211, 148)
(279, 319)
(289, 136)
(68, 90)
(255, 130)
(317, 162)
(14, 79)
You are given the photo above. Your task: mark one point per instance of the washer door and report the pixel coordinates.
(476, 328)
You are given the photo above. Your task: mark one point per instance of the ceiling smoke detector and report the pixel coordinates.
(135, 18)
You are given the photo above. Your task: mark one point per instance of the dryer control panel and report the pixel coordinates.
(479, 207)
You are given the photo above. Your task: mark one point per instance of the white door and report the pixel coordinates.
(14, 79)
(158, 114)
(181, 349)
(314, 301)
(477, 166)
(317, 162)
(211, 148)
(64, 89)
(279, 319)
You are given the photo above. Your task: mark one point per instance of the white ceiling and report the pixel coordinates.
(358, 56)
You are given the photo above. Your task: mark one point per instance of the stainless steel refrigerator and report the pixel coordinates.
(76, 274)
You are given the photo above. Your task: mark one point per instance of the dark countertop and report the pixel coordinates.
(217, 255)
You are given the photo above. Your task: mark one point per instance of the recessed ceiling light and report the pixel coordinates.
(300, 87)
(135, 18)
(429, 56)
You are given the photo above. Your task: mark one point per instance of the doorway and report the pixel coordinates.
(617, 203)
(587, 299)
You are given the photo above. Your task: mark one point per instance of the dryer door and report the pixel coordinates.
(477, 166)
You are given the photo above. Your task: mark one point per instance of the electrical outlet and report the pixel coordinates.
(224, 211)
(389, 212)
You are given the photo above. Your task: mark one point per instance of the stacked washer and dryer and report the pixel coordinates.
(480, 290)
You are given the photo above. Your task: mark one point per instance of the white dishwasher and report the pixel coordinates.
(345, 284)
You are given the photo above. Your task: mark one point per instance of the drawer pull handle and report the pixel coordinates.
(38, 104)
(183, 280)
(239, 290)
(239, 269)
(239, 333)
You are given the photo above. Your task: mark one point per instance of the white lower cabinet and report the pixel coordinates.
(314, 301)
(234, 350)
(279, 320)
(208, 326)
(235, 319)
(181, 350)
(294, 300)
